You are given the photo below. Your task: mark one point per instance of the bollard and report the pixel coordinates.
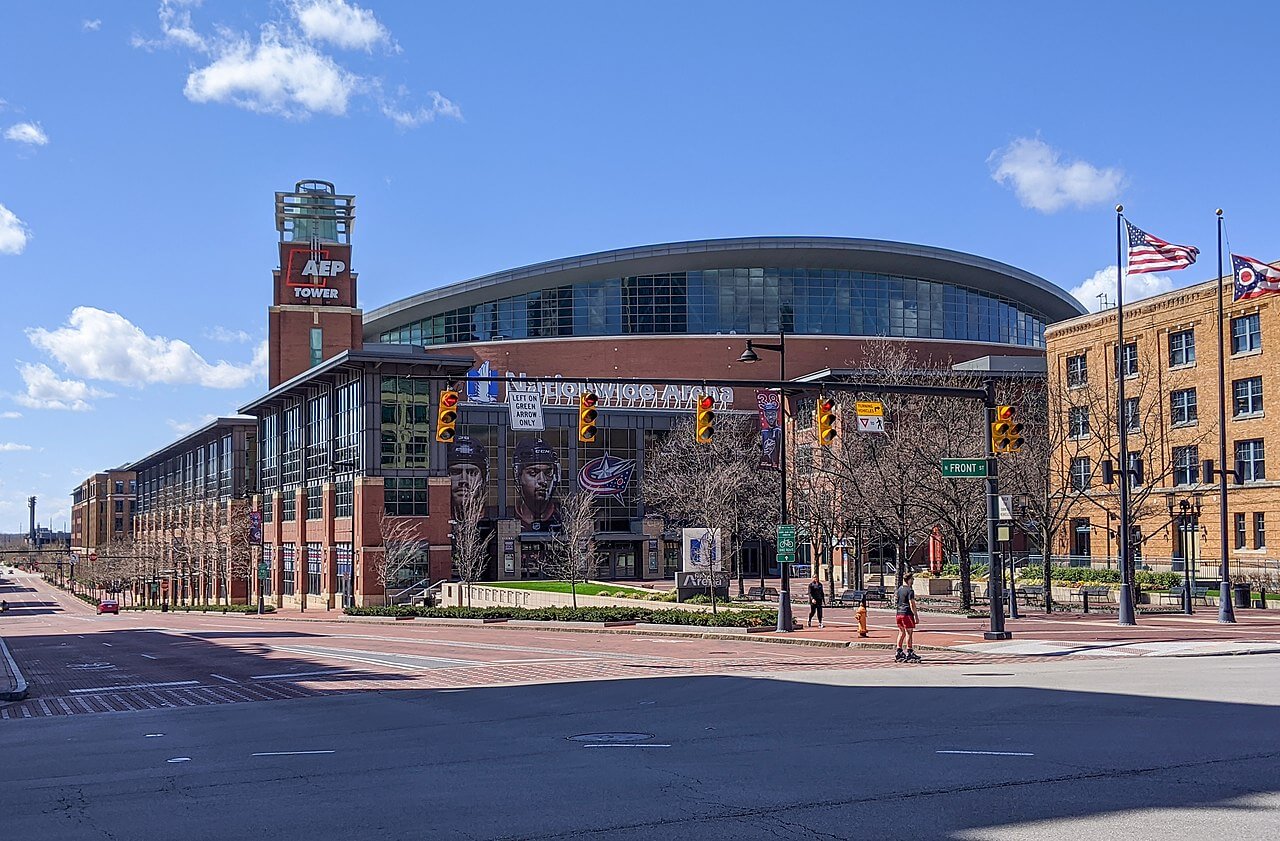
(1084, 594)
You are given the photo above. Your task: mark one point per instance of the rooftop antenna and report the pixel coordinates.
(1103, 303)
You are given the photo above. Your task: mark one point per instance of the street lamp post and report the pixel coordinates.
(749, 356)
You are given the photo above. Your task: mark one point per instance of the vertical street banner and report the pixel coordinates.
(770, 403)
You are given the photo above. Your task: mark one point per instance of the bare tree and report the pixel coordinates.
(716, 486)
(401, 550)
(471, 541)
(571, 552)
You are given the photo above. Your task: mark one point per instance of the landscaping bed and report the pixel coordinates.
(656, 616)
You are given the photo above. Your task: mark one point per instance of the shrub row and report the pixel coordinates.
(668, 616)
(1034, 574)
(204, 608)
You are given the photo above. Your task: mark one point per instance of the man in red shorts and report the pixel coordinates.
(905, 607)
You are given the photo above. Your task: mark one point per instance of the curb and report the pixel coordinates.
(19, 690)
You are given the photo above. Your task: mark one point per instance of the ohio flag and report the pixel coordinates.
(1253, 277)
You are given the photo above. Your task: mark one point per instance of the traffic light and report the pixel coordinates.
(1006, 432)
(447, 415)
(705, 429)
(587, 416)
(826, 421)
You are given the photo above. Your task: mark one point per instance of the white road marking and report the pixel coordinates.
(626, 746)
(138, 686)
(222, 678)
(291, 752)
(987, 752)
(179, 759)
(107, 644)
(151, 657)
(298, 674)
(152, 735)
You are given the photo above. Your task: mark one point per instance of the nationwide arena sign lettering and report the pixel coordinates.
(612, 395)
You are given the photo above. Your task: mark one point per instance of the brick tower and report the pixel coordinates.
(313, 315)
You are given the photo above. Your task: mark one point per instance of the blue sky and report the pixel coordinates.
(141, 142)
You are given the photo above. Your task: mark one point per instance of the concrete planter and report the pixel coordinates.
(933, 586)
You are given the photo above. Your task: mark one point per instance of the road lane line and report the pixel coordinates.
(626, 746)
(151, 657)
(292, 752)
(136, 686)
(107, 644)
(222, 678)
(986, 752)
(299, 674)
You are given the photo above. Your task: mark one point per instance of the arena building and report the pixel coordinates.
(346, 433)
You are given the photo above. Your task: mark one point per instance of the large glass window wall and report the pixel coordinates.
(808, 301)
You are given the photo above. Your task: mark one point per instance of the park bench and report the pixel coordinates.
(976, 590)
(871, 594)
(1175, 594)
(759, 594)
(1031, 593)
(1099, 595)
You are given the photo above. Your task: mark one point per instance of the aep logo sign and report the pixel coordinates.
(308, 270)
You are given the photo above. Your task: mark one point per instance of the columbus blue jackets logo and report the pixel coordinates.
(479, 391)
(607, 475)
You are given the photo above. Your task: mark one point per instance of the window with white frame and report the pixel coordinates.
(1127, 359)
(1250, 456)
(1182, 348)
(1186, 465)
(1081, 473)
(1259, 530)
(1077, 371)
(1182, 407)
(1078, 421)
(1246, 333)
(1247, 397)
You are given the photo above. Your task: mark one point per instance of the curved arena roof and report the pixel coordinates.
(862, 255)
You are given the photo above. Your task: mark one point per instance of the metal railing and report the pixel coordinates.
(414, 592)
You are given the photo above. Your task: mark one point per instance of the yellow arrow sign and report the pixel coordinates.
(870, 409)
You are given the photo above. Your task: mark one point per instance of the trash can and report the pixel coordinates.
(1240, 595)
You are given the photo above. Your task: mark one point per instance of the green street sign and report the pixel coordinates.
(263, 571)
(964, 468)
(786, 544)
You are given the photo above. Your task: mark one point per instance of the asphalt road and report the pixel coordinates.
(1148, 748)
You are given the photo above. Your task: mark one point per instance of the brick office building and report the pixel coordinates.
(1170, 365)
(102, 509)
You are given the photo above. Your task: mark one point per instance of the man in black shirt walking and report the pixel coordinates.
(817, 596)
(907, 611)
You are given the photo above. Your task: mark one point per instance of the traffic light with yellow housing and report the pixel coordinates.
(1006, 432)
(705, 429)
(447, 415)
(587, 415)
(826, 421)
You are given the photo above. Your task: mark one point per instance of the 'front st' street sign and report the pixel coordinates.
(964, 468)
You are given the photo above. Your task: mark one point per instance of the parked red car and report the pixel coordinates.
(109, 606)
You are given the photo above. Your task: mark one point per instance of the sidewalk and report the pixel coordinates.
(13, 686)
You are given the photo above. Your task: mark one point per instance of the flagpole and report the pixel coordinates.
(1126, 614)
(1226, 613)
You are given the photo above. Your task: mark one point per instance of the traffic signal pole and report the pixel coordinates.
(995, 571)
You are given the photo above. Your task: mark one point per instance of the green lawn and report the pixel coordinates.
(584, 588)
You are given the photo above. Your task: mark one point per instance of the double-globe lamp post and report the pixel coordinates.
(749, 356)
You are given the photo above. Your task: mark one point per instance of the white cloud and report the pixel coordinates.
(10, 415)
(222, 334)
(46, 391)
(277, 75)
(14, 233)
(183, 427)
(343, 25)
(30, 133)
(284, 69)
(102, 345)
(91, 25)
(1136, 287)
(10, 447)
(440, 107)
(1043, 181)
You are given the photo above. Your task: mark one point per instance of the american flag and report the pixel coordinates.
(1152, 254)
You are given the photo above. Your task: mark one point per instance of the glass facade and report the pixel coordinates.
(753, 300)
